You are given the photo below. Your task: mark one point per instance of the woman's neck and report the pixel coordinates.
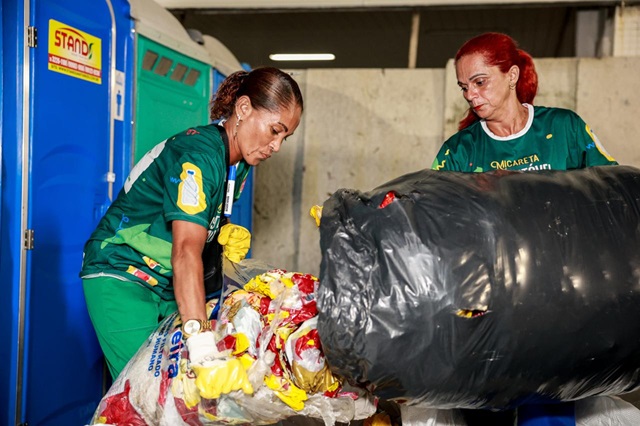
(235, 154)
(513, 121)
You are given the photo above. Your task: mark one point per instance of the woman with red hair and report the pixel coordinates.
(502, 129)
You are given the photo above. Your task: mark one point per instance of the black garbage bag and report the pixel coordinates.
(486, 290)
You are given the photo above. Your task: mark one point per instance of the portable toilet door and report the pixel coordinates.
(223, 63)
(59, 180)
(172, 88)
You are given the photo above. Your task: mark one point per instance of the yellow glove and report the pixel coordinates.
(235, 240)
(214, 378)
(316, 213)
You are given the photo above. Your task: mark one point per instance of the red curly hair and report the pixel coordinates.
(502, 51)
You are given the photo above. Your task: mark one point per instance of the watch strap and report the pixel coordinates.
(205, 325)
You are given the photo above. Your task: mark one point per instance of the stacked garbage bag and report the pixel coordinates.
(487, 290)
(266, 319)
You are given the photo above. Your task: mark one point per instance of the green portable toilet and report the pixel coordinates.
(172, 86)
(222, 61)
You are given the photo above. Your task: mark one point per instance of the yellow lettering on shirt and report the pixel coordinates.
(507, 164)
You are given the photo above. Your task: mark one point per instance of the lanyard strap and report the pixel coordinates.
(225, 141)
(230, 180)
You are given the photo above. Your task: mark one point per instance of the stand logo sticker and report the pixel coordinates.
(74, 52)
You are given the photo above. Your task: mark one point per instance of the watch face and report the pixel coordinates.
(191, 327)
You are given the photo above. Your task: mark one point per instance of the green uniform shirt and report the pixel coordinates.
(553, 138)
(182, 178)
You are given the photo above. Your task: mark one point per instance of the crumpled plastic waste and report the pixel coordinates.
(266, 330)
(316, 213)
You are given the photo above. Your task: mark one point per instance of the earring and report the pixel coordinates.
(512, 85)
(235, 133)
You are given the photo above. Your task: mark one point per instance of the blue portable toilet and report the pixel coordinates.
(73, 91)
(223, 63)
(59, 153)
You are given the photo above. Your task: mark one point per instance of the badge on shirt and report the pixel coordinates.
(191, 198)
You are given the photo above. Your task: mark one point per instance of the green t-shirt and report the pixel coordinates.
(182, 178)
(553, 138)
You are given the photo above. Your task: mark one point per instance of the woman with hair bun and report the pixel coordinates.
(145, 258)
(502, 129)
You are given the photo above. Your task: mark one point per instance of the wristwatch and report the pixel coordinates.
(195, 326)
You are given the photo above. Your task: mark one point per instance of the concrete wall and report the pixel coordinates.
(364, 127)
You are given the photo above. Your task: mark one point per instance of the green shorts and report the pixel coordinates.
(124, 314)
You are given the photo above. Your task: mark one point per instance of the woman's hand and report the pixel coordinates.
(235, 240)
(215, 374)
